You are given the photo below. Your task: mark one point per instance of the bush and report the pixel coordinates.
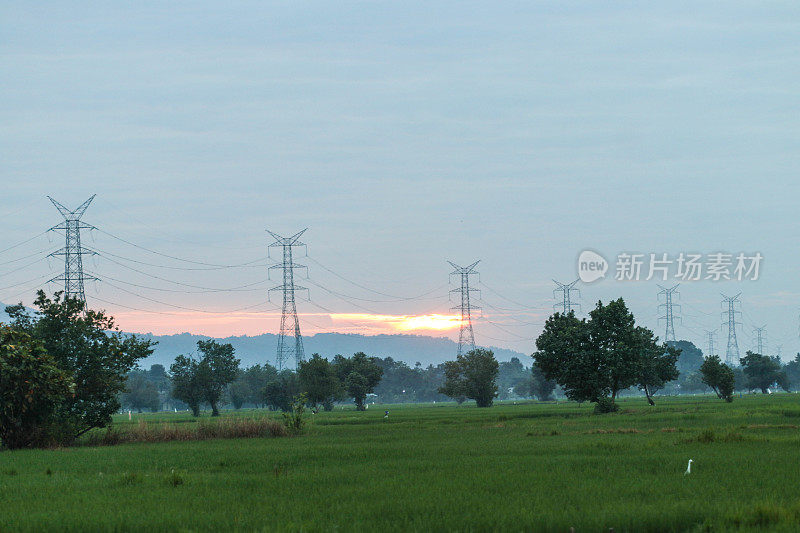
(605, 405)
(293, 419)
(31, 389)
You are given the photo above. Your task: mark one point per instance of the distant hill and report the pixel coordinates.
(261, 348)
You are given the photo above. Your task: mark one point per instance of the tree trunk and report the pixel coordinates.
(214, 410)
(649, 397)
(195, 410)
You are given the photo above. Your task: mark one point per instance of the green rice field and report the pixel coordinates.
(512, 467)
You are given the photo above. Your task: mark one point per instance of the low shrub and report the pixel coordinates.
(293, 419)
(605, 405)
(226, 428)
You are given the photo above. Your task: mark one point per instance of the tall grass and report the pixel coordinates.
(223, 428)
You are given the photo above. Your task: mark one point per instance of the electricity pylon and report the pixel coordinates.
(466, 338)
(565, 289)
(668, 306)
(73, 276)
(760, 334)
(290, 324)
(710, 334)
(729, 317)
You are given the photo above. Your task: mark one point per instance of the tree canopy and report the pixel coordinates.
(205, 378)
(359, 375)
(472, 376)
(88, 347)
(763, 371)
(596, 358)
(719, 377)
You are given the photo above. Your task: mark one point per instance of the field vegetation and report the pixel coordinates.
(514, 467)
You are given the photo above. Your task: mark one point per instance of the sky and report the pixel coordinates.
(402, 135)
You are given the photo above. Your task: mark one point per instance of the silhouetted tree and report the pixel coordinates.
(473, 376)
(359, 374)
(719, 377)
(763, 371)
(595, 359)
(280, 391)
(319, 381)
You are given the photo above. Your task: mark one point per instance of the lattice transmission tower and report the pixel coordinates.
(669, 311)
(566, 289)
(73, 277)
(466, 337)
(710, 337)
(290, 341)
(729, 320)
(761, 339)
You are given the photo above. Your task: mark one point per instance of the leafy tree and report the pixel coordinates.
(473, 376)
(186, 385)
(510, 373)
(597, 358)
(86, 345)
(763, 371)
(318, 380)
(257, 377)
(719, 377)
(217, 369)
(239, 390)
(691, 357)
(32, 387)
(141, 393)
(359, 375)
(792, 370)
(541, 387)
(692, 382)
(657, 363)
(280, 391)
(740, 380)
(535, 385)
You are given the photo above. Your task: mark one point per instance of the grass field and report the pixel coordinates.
(526, 467)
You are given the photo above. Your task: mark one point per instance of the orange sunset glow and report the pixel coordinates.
(256, 323)
(434, 322)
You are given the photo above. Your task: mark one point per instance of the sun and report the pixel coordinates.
(430, 322)
(433, 322)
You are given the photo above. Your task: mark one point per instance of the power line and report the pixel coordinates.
(242, 288)
(143, 297)
(359, 285)
(163, 254)
(209, 289)
(256, 263)
(523, 306)
(23, 242)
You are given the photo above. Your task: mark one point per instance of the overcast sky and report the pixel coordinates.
(402, 135)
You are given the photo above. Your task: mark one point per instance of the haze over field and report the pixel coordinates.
(402, 135)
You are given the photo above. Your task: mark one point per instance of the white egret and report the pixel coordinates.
(688, 468)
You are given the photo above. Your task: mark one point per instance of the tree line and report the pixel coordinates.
(66, 369)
